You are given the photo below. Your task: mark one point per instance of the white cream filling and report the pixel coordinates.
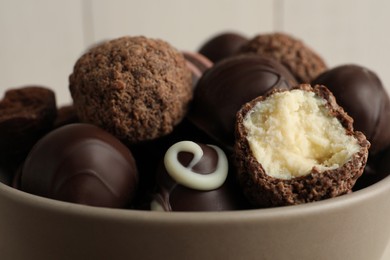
(291, 132)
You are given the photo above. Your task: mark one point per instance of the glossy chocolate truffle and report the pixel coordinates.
(198, 64)
(301, 60)
(222, 45)
(83, 164)
(193, 177)
(136, 88)
(297, 146)
(360, 92)
(228, 85)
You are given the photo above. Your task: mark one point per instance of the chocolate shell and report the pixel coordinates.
(264, 190)
(194, 177)
(81, 163)
(361, 93)
(222, 46)
(198, 64)
(228, 85)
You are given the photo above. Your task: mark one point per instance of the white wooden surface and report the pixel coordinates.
(41, 39)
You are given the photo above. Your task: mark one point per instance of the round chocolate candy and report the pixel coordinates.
(228, 85)
(222, 45)
(193, 177)
(360, 92)
(198, 64)
(81, 163)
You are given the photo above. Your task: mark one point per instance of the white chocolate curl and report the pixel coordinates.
(185, 176)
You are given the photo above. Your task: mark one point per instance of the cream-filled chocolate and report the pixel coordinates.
(291, 132)
(297, 146)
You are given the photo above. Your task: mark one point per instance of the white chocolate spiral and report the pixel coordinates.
(190, 179)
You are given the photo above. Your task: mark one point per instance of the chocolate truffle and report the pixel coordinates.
(66, 115)
(228, 85)
(360, 92)
(26, 114)
(222, 45)
(297, 146)
(193, 177)
(134, 87)
(198, 64)
(81, 163)
(302, 61)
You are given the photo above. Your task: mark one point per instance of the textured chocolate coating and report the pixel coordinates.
(198, 64)
(228, 85)
(174, 195)
(302, 61)
(360, 92)
(222, 45)
(135, 88)
(26, 114)
(263, 190)
(81, 163)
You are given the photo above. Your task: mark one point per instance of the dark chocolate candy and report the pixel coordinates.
(193, 177)
(81, 163)
(228, 85)
(26, 114)
(198, 64)
(360, 92)
(377, 168)
(222, 45)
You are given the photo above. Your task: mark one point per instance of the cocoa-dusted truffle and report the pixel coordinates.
(134, 87)
(194, 177)
(222, 45)
(297, 146)
(81, 163)
(361, 93)
(26, 114)
(302, 61)
(228, 85)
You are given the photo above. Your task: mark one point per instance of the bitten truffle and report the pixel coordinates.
(134, 87)
(194, 177)
(361, 93)
(302, 61)
(297, 146)
(81, 163)
(228, 85)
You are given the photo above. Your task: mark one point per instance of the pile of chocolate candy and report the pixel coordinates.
(240, 124)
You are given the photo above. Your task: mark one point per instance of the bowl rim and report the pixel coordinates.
(278, 213)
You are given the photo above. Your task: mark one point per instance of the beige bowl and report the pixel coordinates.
(354, 226)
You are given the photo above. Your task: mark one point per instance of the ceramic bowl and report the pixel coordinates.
(354, 226)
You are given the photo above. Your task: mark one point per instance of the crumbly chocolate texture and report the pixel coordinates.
(26, 114)
(263, 190)
(134, 87)
(302, 61)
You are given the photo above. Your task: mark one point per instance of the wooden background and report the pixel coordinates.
(41, 39)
